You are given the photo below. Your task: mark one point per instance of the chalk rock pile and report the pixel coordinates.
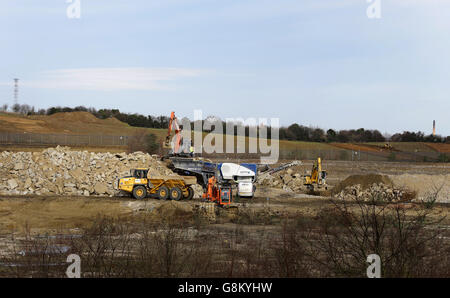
(60, 171)
(376, 192)
(288, 180)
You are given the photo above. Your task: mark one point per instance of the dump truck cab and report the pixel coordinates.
(137, 177)
(139, 173)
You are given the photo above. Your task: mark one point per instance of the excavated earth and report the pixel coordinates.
(60, 171)
(423, 181)
(59, 188)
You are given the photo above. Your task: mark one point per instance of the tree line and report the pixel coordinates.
(294, 132)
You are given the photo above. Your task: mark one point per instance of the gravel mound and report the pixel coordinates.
(60, 171)
(375, 193)
(364, 182)
(290, 180)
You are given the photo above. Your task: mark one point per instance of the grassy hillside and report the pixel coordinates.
(84, 123)
(408, 146)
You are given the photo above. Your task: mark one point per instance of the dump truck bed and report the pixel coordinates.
(188, 180)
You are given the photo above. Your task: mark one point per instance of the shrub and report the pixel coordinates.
(443, 158)
(409, 244)
(143, 141)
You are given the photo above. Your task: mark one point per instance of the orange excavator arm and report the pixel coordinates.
(211, 189)
(173, 125)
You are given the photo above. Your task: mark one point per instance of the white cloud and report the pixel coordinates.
(110, 79)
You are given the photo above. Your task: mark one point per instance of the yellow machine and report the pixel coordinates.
(139, 185)
(317, 177)
(387, 147)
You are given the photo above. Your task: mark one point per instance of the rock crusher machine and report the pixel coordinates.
(218, 179)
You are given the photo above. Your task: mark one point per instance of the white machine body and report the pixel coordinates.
(243, 176)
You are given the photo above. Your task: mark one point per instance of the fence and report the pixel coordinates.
(344, 155)
(62, 139)
(357, 155)
(34, 139)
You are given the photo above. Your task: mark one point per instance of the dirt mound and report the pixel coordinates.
(114, 121)
(85, 117)
(13, 123)
(80, 123)
(75, 117)
(366, 181)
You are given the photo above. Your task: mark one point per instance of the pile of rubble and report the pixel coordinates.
(288, 180)
(60, 171)
(375, 193)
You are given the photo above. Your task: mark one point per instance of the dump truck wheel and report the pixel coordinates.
(176, 193)
(163, 193)
(139, 192)
(190, 195)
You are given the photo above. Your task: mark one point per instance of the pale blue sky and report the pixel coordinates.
(315, 62)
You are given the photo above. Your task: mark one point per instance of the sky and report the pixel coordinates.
(320, 63)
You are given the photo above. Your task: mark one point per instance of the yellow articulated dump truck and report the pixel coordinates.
(139, 184)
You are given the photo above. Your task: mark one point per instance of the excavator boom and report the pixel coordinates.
(173, 125)
(317, 177)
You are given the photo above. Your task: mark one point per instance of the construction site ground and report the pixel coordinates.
(30, 223)
(44, 214)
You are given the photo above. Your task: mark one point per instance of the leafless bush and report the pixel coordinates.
(431, 197)
(249, 216)
(408, 243)
(40, 256)
(106, 248)
(290, 253)
(334, 243)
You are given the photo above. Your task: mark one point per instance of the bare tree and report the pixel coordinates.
(407, 243)
(16, 108)
(24, 109)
